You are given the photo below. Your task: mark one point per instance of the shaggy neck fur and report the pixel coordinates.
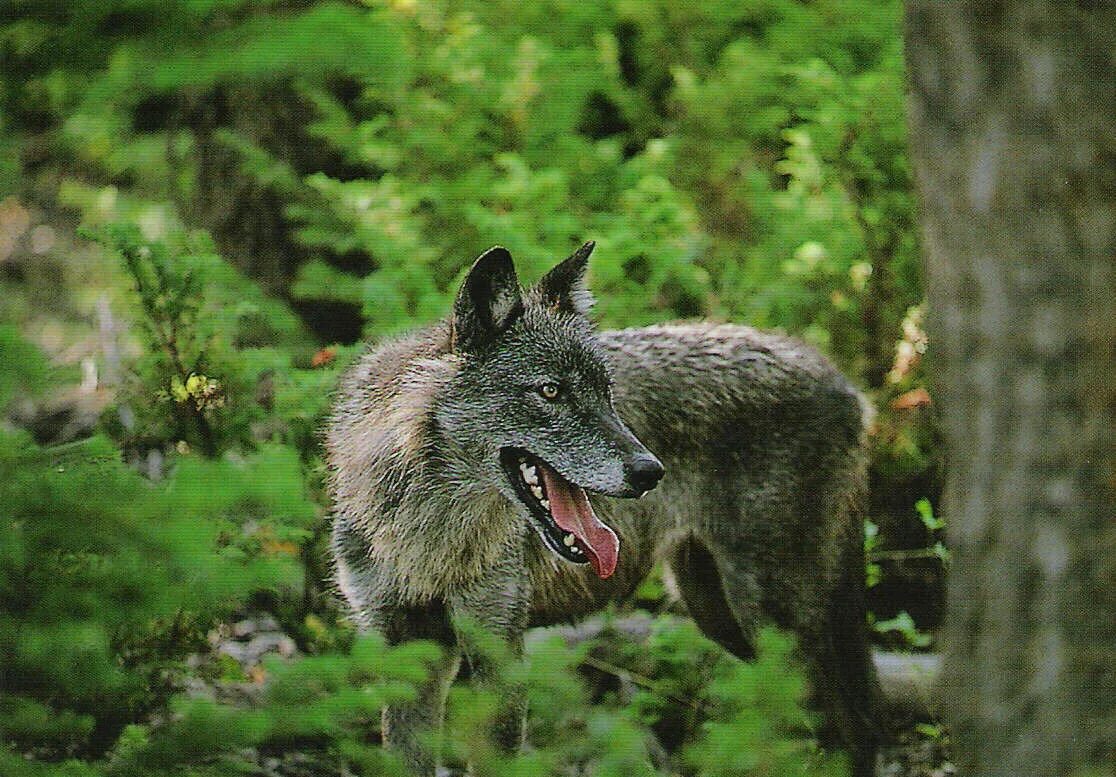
(409, 490)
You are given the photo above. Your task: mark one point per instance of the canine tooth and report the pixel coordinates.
(569, 540)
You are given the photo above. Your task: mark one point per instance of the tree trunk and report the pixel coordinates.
(1013, 114)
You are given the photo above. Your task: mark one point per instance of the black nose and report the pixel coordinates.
(644, 473)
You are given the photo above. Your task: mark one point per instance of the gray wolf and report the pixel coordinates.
(484, 470)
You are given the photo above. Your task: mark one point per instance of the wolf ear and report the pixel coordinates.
(488, 302)
(564, 286)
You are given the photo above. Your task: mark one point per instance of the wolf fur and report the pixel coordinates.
(758, 515)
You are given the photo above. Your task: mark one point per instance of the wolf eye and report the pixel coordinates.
(549, 391)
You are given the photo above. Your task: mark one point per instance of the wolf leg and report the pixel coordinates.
(407, 725)
(509, 727)
(370, 589)
(728, 622)
(724, 600)
(496, 609)
(839, 657)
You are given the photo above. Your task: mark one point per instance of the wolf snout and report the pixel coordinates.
(644, 473)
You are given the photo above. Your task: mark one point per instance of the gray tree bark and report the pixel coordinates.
(1013, 119)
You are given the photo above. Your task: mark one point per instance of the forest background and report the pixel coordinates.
(210, 204)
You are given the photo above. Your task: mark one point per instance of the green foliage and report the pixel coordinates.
(872, 570)
(926, 514)
(930, 730)
(265, 47)
(902, 626)
(736, 160)
(328, 703)
(743, 160)
(179, 343)
(105, 581)
(757, 724)
(25, 368)
(934, 525)
(217, 371)
(743, 714)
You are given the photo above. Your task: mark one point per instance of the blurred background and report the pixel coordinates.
(207, 205)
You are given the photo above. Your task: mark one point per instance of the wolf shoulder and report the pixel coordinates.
(392, 374)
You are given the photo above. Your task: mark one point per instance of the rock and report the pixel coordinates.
(267, 622)
(244, 628)
(269, 642)
(234, 650)
(254, 623)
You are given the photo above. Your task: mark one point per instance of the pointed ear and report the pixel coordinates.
(488, 302)
(564, 286)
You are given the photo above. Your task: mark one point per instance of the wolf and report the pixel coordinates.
(486, 469)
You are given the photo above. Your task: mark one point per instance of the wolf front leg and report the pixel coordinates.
(490, 619)
(370, 588)
(408, 727)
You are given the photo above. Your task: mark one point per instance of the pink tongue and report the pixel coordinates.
(572, 512)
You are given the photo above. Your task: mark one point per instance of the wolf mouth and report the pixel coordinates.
(563, 516)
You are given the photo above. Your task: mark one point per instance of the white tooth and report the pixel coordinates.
(545, 503)
(569, 540)
(531, 476)
(537, 491)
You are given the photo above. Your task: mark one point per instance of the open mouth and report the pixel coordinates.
(563, 516)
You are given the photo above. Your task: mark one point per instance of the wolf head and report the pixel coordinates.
(531, 405)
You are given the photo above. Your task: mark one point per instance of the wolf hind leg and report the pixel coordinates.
(724, 600)
(840, 662)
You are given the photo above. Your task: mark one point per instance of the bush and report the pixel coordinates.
(108, 581)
